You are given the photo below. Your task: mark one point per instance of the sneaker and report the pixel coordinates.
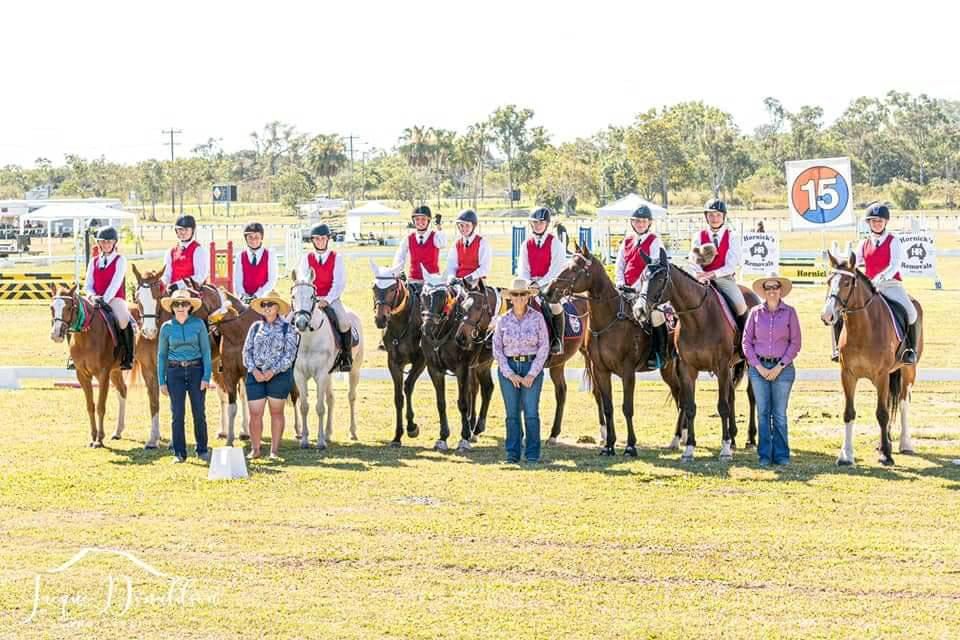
(764, 462)
(179, 459)
(783, 462)
(205, 456)
(513, 460)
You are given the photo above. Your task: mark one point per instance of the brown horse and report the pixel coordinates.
(868, 349)
(705, 341)
(477, 323)
(93, 353)
(615, 344)
(397, 312)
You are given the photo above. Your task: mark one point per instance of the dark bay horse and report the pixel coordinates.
(397, 313)
(442, 313)
(615, 343)
(868, 349)
(94, 355)
(477, 323)
(705, 341)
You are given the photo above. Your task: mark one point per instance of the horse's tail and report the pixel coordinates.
(586, 378)
(896, 388)
(135, 376)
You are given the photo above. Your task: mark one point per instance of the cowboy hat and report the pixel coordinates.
(785, 284)
(283, 307)
(177, 296)
(519, 287)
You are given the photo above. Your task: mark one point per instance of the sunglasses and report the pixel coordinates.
(267, 305)
(773, 287)
(180, 305)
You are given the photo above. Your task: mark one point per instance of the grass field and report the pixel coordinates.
(364, 541)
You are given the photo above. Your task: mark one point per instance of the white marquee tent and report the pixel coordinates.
(371, 209)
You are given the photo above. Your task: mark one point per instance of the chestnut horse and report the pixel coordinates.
(869, 349)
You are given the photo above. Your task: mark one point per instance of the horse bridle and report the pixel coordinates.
(668, 283)
(398, 305)
(475, 325)
(154, 315)
(75, 299)
(439, 318)
(313, 304)
(845, 304)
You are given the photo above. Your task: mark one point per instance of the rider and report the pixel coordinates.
(188, 259)
(423, 246)
(106, 285)
(329, 282)
(542, 258)
(470, 257)
(255, 270)
(879, 255)
(722, 270)
(630, 267)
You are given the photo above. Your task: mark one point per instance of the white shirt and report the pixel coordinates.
(730, 265)
(114, 287)
(272, 272)
(339, 273)
(486, 258)
(403, 249)
(621, 265)
(201, 265)
(896, 254)
(558, 260)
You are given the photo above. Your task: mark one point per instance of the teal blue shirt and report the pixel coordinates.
(187, 341)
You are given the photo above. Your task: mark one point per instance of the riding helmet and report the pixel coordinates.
(715, 204)
(878, 211)
(540, 214)
(422, 210)
(253, 227)
(320, 230)
(642, 212)
(107, 233)
(468, 215)
(187, 222)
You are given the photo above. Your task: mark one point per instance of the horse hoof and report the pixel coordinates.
(244, 436)
(686, 458)
(907, 452)
(304, 445)
(150, 446)
(440, 445)
(607, 451)
(96, 445)
(885, 461)
(630, 451)
(726, 458)
(221, 436)
(750, 445)
(551, 441)
(321, 447)
(842, 462)
(413, 431)
(115, 437)
(473, 439)
(394, 444)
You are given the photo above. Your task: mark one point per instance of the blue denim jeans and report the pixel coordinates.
(527, 402)
(183, 382)
(772, 397)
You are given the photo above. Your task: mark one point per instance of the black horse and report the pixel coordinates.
(397, 310)
(442, 314)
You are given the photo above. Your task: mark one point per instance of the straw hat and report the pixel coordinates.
(785, 284)
(519, 287)
(178, 295)
(283, 307)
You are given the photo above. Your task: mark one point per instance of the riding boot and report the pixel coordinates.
(909, 355)
(126, 342)
(658, 347)
(835, 334)
(556, 347)
(346, 350)
(741, 323)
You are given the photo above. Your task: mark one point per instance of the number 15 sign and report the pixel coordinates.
(820, 194)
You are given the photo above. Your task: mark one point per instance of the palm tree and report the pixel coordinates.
(326, 156)
(441, 143)
(416, 148)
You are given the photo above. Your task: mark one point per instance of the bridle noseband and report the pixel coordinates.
(303, 312)
(844, 305)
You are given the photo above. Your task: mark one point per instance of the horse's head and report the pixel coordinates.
(576, 277)
(213, 303)
(150, 289)
(846, 288)
(476, 315)
(653, 285)
(390, 295)
(304, 301)
(64, 310)
(437, 302)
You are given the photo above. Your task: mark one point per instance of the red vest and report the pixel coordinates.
(425, 255)
(877, 259)
(539, 257)
(633, 263)
(181, 261)
(468, 258)
(322, 272)
(254, 276)
(103, 277)
(706, 237)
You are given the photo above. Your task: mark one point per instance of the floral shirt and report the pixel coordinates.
(269, 347)
(525, 336)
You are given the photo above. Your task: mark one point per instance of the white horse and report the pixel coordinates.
(315, 357)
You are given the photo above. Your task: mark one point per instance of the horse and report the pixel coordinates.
(705, 341)
(315, 358)
(397, 313)
(869, 349)
(94, 355)
(469, 360)
(478, 317)
(615, 343)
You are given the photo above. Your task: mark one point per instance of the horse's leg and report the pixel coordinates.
(102, 392)
(295, 401)
(560, 394)
(321, 408)
(629, 382)
(464, 392)
(669, 373)
(472, 403)
(352, 381)
(86, 383)
(752, 402)
(396, 373)
(849, 415)
(153, 396)
(224, 406)
(605, 387)
(688, 403)
(303, 407)
(724, 391)
(883, 419)
(416, 368)
(437, 376)
(244, 412)
(906, 442)
(485, 377)
(328, 394)
(116, 376)
(231, 407)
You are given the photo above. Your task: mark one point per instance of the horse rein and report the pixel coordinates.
(669, 284)
(304, 312)
(844, 304)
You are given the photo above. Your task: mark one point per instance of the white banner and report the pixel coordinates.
(820, 194)
(760, 253)
(919, 259)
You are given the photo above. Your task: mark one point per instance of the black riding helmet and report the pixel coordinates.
(715, 204)
(642, 212)
(422, 210)
(187, 222)
(878, 211)
(540, 214)
(468, 215)
(253, 227)
(108, 233)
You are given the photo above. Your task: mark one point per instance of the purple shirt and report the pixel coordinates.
(525, 336)
(771, 334)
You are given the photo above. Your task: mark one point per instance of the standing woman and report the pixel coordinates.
(268, 355)
(521, 346)
(771, 342)
(183, 368)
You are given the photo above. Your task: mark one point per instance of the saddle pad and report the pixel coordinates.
(573, 327)
(726, 308)
(898, 316)
(109, 320)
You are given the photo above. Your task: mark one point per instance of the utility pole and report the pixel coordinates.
(351, 138)
(173, 182)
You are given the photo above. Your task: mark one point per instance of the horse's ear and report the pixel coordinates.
(136, 272)
(663, 256)
(833, 259)
(576, 246)
(585, 251)
(853, 260)
(293, 274)
(73, 288)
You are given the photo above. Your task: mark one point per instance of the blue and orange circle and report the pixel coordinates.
(820, 194)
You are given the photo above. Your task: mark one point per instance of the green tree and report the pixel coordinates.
(656, 149)
(326, 157)
(293, 186)
(510, 128)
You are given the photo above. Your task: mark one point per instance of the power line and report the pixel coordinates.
(173, 175)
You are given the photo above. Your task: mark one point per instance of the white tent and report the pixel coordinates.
(371, 209)
(626, 205)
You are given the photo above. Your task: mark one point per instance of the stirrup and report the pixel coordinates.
(835, 356)
(909, 356)
(556, 347)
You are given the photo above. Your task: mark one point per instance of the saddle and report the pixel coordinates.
(332, 317)
(898, 315)
(572, 322)
(726, 305)
(113, 329)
